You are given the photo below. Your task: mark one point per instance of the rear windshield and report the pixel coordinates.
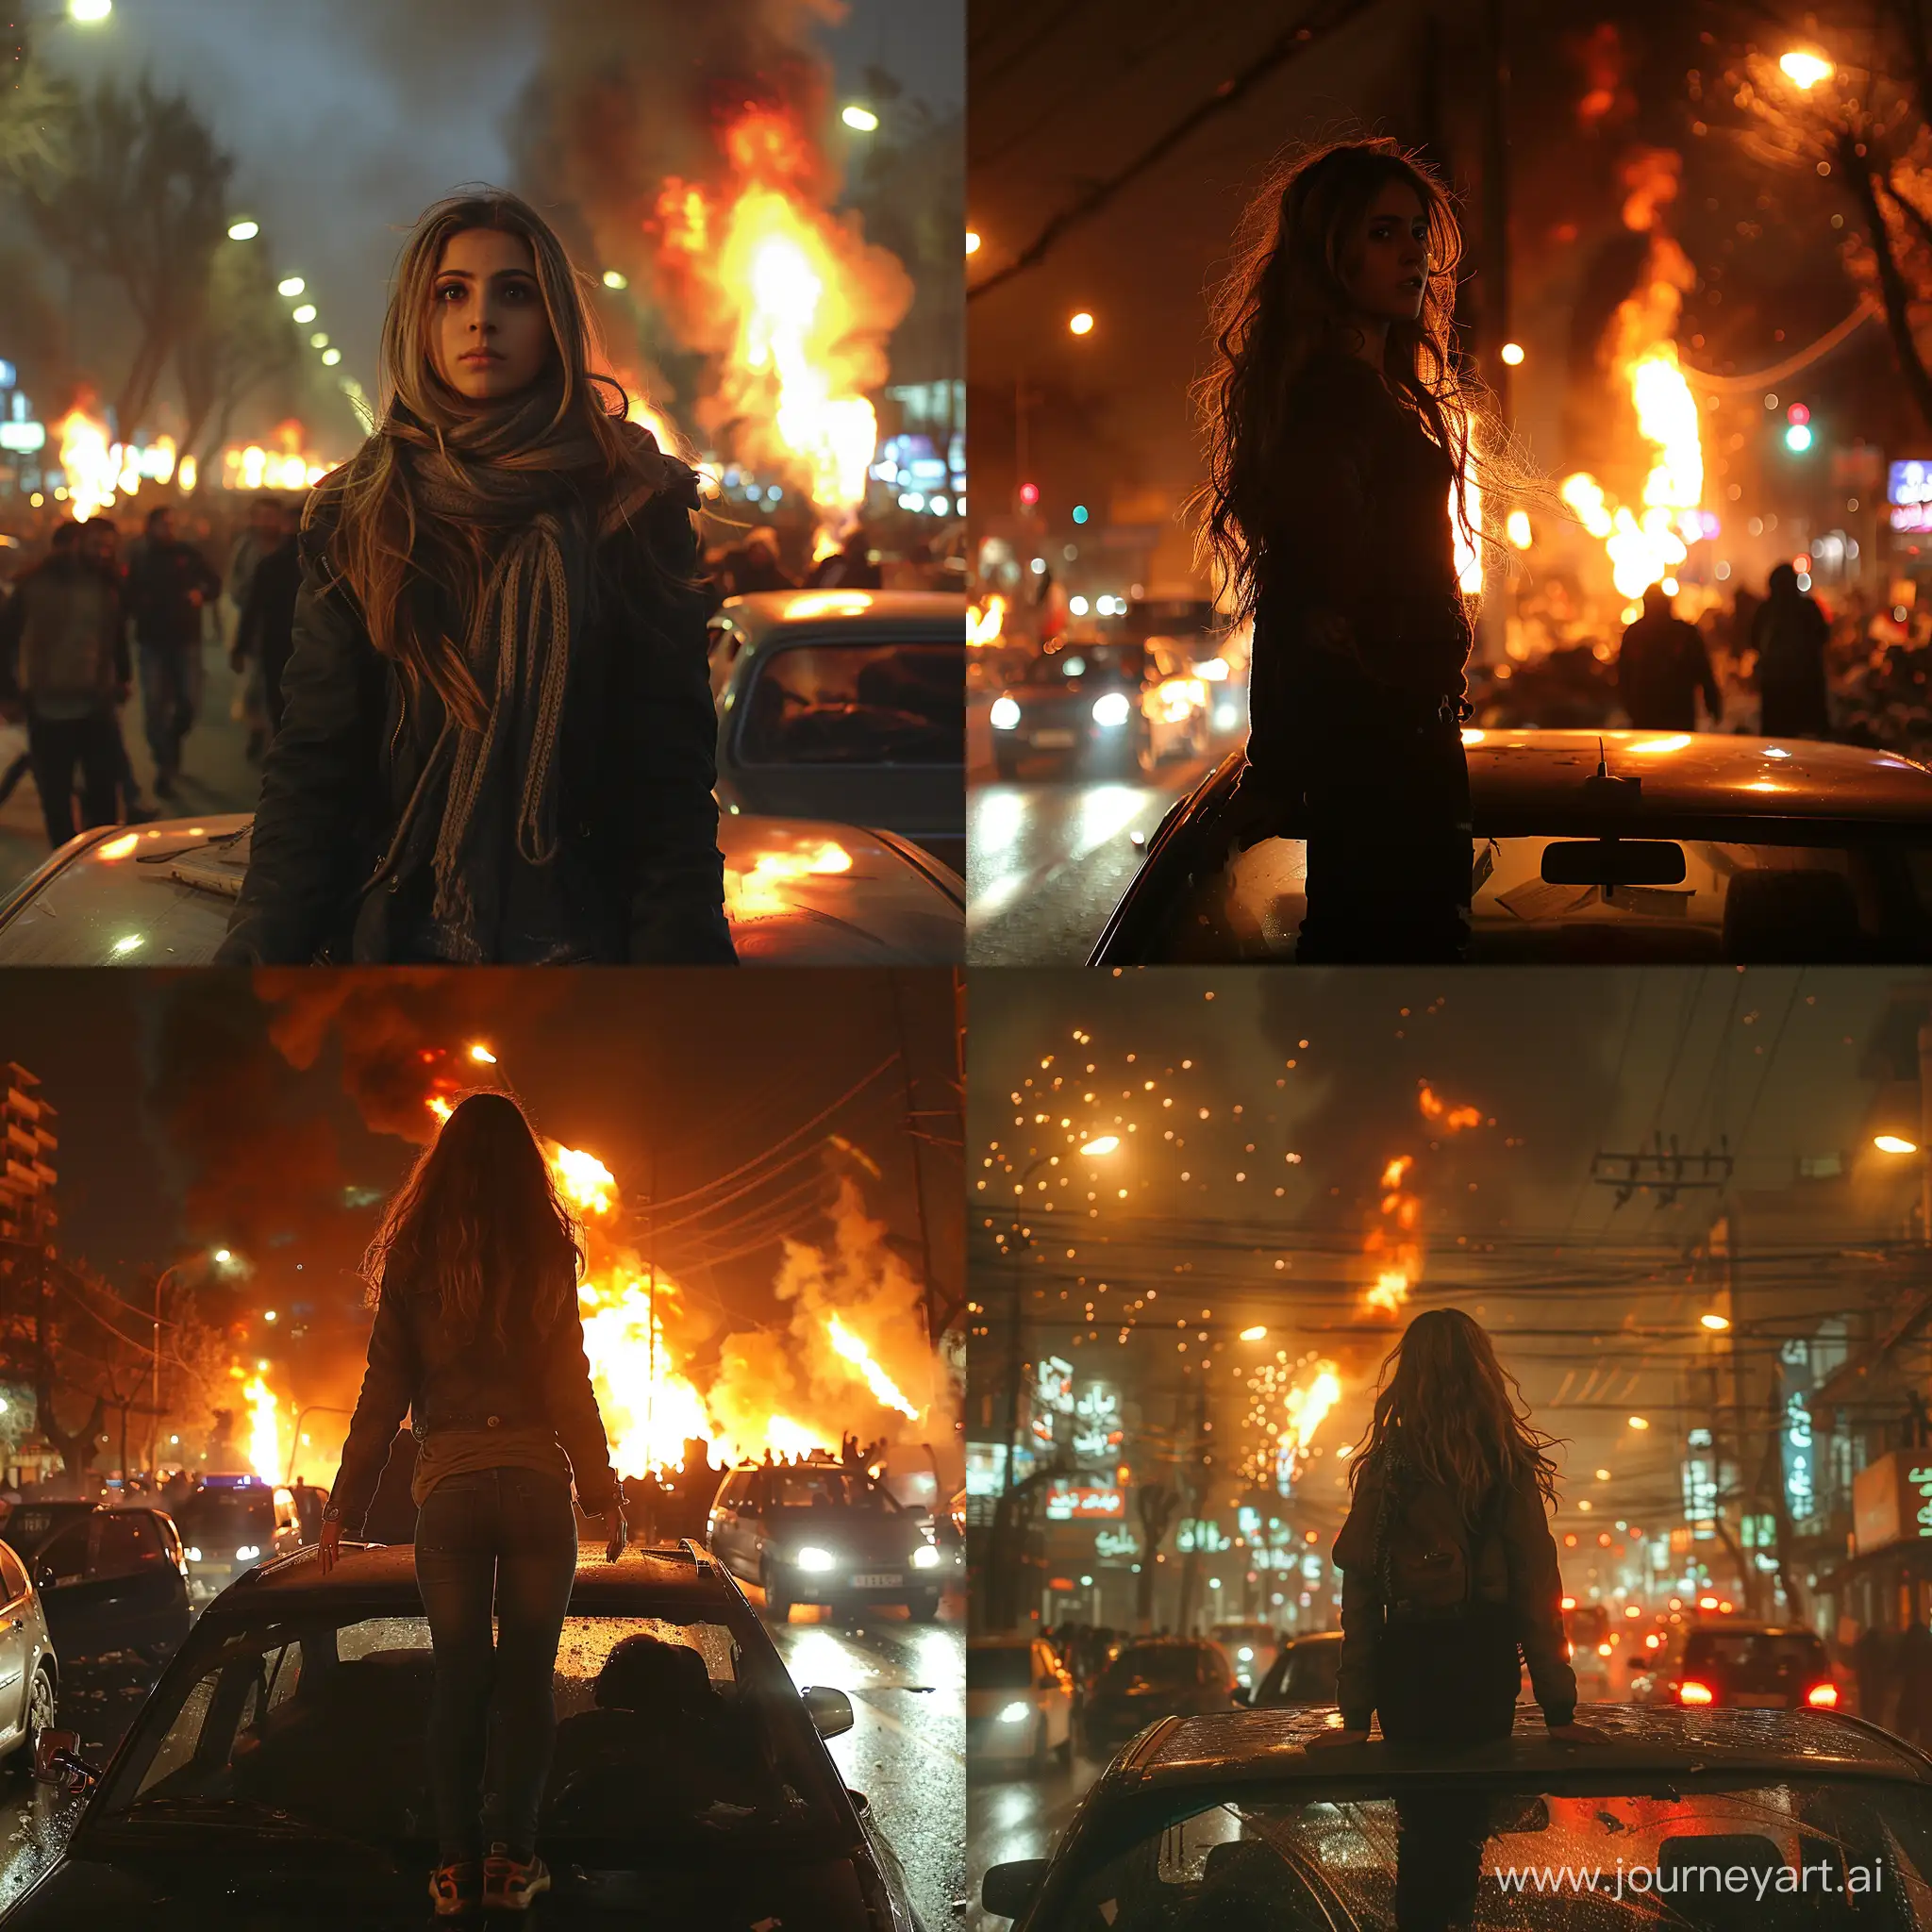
(1162, 1667)
(211, 1515)
(871, 704)
(1753, 1650)
(666, 1735)
(29, 1528)
(999, 1669)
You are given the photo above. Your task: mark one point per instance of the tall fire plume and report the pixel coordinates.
(1393, 1246)
(703, 171)
(1289, 1401)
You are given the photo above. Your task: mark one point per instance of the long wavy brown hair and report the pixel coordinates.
(1457, 1414)
(480, 1224)
(1282, 303)
(404, 564)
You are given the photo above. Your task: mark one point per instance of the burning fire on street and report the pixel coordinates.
(1393, 1246)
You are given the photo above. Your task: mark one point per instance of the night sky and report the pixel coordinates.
(1499, 1085)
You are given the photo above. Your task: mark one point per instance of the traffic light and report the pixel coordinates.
(1030, 494)
(1798, 428)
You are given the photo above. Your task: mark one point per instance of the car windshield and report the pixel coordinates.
(885, 703)
(218, 1516)
(1733, 902)
(999, 1667)
(817, 1487)
(1781, 1652)
(1154, 1667)
(315, 1727)
(1595, 1854)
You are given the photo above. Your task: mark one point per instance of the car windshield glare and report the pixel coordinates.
(886, 702)
(1590, 1852)
(665, 1736)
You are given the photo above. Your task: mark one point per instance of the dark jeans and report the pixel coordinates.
(1390, 853)
(1451, 1686)
(54, 746)
(170, 696)
(508, 1534)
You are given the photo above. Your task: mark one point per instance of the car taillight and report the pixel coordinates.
(1823, 1697)
(1692, 1692)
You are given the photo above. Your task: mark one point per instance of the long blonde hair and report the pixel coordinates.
(400, 560)
(1456, 1413)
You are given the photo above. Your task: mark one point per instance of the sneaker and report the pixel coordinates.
(456, 1889)
(509, 1884)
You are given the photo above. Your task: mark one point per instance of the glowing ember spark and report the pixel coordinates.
(1452, 1119)
(855, 1350)
(439, 1106)
(588, 1186)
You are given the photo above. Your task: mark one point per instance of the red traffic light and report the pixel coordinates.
(1797, 413)
(1030, 494)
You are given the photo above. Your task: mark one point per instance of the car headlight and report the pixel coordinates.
(192, 1553)
(1005, 714)
(247, 1554)
(811, 1559)
(1016, 1712)
(926, 1558)
(1111, 707)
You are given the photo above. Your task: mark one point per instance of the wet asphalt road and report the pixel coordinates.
(1012, 1814)
(906, 1751)
(1048, 861)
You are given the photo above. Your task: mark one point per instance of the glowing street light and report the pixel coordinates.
(330, 357)
(88, 12)
(972, 241)
(243, 230)
(482, 1056)
(1893, 1143)
(1257, 1333)
(319, 339)
(616, 278)
(1104, 1144)
(1716, 1324)
(861, 120)
(1640, 1422)
(305, 313)
(1512, 353)
(1805, 70)
(1080, 324)
(224, 1255)
(290, 285)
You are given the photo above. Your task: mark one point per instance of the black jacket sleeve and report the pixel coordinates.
(1536, 1595)
(677, 890)
(12, 628)
(1362, 1604)
(308, 852)
(572, 1405)
(388, 1384)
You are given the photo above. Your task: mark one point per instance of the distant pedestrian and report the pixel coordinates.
(754, 566)
(63, 666)
(168, 586)
(1789, 634)
(1450, 1581)
(265, 631)
(848, 568)
(268, 524)
(1662, 666)
(100, 539)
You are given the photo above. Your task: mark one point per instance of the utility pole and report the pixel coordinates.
(1663, 1170)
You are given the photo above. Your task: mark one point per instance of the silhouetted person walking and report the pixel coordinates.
(168, 584)
(1662, 666)
(1790, 633)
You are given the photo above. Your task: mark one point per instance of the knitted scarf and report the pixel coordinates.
(527, 482)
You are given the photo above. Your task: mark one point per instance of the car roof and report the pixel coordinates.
(798, 891)
(1641, 1739)
(1697, 772)
(772, 616)
(379, 1579)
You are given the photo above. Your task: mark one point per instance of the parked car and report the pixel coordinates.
(1149, 1679)
(1018, 1702)
(276, 1775)
(1103, 706)
(1630, 847)
(846, 705)
(1753, 1667)
(1249, 1648)
(231, 1523)
(1305, 1671)
(797, 893)
(108, 1580)
(1230, 1821)
(818, 1532)
(30, 1663)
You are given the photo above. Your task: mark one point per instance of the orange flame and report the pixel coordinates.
(855, 1350)
(1392, 1245)
(984, 622)
(759, 893)
(1453, 1119)
(89, 461)
(264, 1426)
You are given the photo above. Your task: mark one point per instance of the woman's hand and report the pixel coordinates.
(1328, 1740)
(1574, 1733)
(328, 1545)
(618, 1531)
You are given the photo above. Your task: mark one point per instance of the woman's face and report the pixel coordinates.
(1385, 264)
(489, 335)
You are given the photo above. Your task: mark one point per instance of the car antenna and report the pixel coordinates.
(1604, 788)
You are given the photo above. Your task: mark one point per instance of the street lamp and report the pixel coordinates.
(1102, 1146)
(1894, 1144)
(306, 312)
(1640, 1422)
(290, 285)
(1080, 323)
(1716, 1324)
(1258, 1333)
(860, 120)
(88, 12)
(616, 278)
(972, 241)
(243, 230)
(1512, 353)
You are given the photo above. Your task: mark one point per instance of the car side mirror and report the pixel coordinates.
(58, 1762)
(831, 1710)
(1008, 1890)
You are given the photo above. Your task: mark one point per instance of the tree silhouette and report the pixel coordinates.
(241, 339)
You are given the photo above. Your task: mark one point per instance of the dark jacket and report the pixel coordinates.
(163, 583)
(638, 876)
(1789, 633)
(1513, 1564)
(416, 1366)
(63, 638)
(1661, 667)
(267, 625)
(1359, 625)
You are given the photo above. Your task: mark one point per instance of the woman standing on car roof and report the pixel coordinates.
(474, 1274)
(497, 738)
(1338, 430)
(1450, 1583)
